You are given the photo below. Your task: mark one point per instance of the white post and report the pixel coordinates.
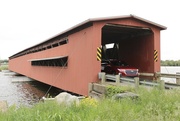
(103, 78)
(136, 80)
(161, 84)
(178, 79)
(90, 88)
(117, 79)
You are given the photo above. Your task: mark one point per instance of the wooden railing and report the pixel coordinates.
(136, 81)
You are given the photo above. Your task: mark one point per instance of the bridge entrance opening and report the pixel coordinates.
(132, 44)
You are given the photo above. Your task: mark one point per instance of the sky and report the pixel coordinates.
(24, 23)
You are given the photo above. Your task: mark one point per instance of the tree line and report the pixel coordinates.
(170, 62)
(4, 61)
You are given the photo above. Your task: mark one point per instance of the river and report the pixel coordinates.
(170, 70)
(23, 93)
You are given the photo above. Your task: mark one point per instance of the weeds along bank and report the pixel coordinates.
(151, 105)
(3, 67)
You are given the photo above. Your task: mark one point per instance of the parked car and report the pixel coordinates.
(113, 66)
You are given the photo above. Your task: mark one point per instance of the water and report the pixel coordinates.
(170, 70)
(22, 93)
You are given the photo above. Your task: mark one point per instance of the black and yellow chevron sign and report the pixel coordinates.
(155, 55)
(99, 50)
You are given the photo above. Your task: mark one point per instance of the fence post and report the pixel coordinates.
(103, 78)
(136, 80)
(90, 88)
(3, 106)
(178, 79)
(157, 76)
(117, 79)
(161, 84)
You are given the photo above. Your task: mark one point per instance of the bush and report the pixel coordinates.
(112, 90)
(3, 67)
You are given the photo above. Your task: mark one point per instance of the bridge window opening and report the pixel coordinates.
(55, 45)
(46, 45)
(56, 61)
(63, 42)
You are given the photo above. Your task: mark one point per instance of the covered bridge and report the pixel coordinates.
(68, 60)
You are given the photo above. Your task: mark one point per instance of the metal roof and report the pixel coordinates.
(96, 20)
(111, 18)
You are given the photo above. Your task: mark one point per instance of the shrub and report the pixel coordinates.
(89, 102)
(112, 90)
(3, 67)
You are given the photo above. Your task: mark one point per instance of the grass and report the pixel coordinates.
(152, 105)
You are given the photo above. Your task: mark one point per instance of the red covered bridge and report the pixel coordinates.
(68, 60)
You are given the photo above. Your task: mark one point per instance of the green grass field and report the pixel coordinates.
(152, 105)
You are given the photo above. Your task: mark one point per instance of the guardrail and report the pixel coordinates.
(136, 81)
(158, 74)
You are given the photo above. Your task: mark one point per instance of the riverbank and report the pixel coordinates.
(151, 105)
(18, 90)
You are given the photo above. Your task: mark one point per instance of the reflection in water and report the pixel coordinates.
(23, 93)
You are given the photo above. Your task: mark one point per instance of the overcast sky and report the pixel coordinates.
(24, 23)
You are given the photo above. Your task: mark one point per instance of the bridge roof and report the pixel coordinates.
(89, 22)
(161, 27)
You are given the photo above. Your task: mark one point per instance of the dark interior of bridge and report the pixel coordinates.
(127, 43)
